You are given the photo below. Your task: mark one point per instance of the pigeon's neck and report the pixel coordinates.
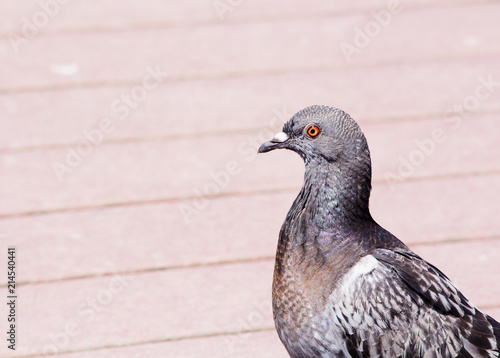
(336, 195)
(327, 225)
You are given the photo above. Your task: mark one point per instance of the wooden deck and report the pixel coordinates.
(144, 222)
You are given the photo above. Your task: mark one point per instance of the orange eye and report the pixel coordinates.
(312, 130)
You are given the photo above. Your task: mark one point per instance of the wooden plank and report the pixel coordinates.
(64, 16)
(131, 309)
(78, 59)
(264, 344)
(201, 107)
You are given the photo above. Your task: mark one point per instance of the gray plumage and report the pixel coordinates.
(344, 286)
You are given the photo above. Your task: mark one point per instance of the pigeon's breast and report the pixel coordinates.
(303, 309)
(309, 325)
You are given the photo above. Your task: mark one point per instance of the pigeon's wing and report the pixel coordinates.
(425, 283)
(405, 307)
(432, 290)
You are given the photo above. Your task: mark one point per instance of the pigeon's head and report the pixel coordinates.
(321, 134)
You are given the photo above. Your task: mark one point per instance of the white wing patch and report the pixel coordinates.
(365, 266)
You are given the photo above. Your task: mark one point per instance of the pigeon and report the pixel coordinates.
(344, 286)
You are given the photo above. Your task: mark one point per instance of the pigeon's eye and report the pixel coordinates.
(312, 130)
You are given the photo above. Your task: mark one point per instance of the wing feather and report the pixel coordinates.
(426, 282)
(406, 307)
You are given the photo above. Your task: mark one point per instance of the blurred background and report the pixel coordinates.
(145, 225)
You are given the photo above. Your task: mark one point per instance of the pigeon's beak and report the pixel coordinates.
(275, 143)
